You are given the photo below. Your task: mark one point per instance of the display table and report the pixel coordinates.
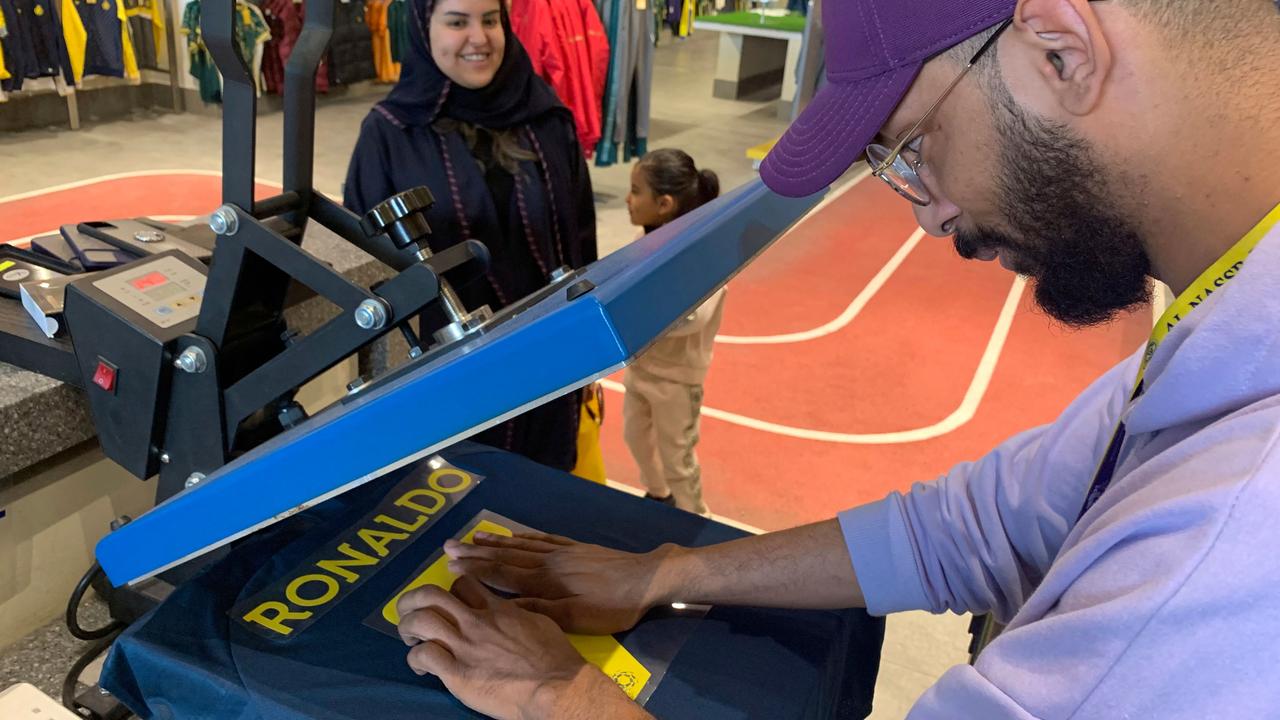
(757, 53)
(191, 659)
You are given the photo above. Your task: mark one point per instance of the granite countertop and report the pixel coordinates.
(41, 417)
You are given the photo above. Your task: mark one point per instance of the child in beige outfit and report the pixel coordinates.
(661, 412)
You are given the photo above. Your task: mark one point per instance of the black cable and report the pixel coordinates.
(73, 675)
(73, 609)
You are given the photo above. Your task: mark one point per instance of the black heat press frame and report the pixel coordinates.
(250, 363)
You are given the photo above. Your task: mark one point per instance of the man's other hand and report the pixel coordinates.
(497, 658)
(585, 588)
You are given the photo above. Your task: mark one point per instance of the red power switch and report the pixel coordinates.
(105, 376)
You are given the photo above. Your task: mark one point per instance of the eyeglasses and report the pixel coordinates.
(894, 166)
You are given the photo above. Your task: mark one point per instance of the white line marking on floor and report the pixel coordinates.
(958, 417)
(122, 176)
(844, 318)
(623, 487)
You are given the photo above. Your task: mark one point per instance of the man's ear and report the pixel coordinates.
(1071, 53)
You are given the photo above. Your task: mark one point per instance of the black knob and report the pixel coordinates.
(403, 217)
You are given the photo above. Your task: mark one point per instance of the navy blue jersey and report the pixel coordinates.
(33, 48)
(104, 54)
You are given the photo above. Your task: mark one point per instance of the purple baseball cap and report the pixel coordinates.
(874, 51)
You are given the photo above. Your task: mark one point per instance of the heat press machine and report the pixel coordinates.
(191, 369)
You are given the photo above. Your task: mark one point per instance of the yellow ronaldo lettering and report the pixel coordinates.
(292, 594)
(299, 598)
(406, 501)
(275, 621)
(377, 539)
(355, 558)
(464, 480)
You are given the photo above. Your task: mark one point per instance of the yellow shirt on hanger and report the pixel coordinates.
(76, 38)
(126, 43)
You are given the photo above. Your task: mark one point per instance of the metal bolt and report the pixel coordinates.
(560, 273)
(354, 386)
(191, 360)
(149, 236)
(164, 458)
(415, 352)
(103, 691)
(194, 479)
(371, 315)
(224, 221)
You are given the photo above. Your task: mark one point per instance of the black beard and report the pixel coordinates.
(1087, 261)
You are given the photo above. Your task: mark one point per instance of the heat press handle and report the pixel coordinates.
(403, 218)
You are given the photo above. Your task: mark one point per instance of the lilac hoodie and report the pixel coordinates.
(1164, 600)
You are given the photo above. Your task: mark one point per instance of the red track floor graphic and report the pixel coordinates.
(904, 362)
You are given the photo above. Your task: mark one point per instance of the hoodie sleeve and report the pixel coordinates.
(979, 538)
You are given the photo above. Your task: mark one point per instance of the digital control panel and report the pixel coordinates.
(164, 291)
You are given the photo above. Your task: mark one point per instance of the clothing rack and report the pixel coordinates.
(69, 93)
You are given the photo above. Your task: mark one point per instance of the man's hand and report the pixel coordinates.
(501, 660)
(596, 590)
(585, 588)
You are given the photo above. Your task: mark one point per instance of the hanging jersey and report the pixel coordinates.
(75, 40)
(34, 32)
(375, 16)
(4, 32)
(398, 29)
(104, 54)
(129, 57)
(142, 31)
(251, 29)
(351, 47)
(202, 66)
(284, 18)
(11, 50)
(252, 34)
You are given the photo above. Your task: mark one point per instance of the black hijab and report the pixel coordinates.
(514, 97)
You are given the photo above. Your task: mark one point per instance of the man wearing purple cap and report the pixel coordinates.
(1130, 545)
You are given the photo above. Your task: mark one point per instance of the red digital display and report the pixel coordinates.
(149, 280)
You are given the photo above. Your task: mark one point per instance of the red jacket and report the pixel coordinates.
(284, 18)
(531, 21)
(569, 49)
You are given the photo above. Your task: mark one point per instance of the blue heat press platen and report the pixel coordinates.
(549, 348)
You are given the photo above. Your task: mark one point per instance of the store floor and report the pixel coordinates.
(848, 369)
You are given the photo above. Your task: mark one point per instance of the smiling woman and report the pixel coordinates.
(471, 121)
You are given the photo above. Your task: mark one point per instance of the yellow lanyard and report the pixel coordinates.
(1221, 272)
(1218, 275)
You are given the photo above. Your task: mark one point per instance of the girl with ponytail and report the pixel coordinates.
(660, 415)
(666, 184)
(471, 121)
